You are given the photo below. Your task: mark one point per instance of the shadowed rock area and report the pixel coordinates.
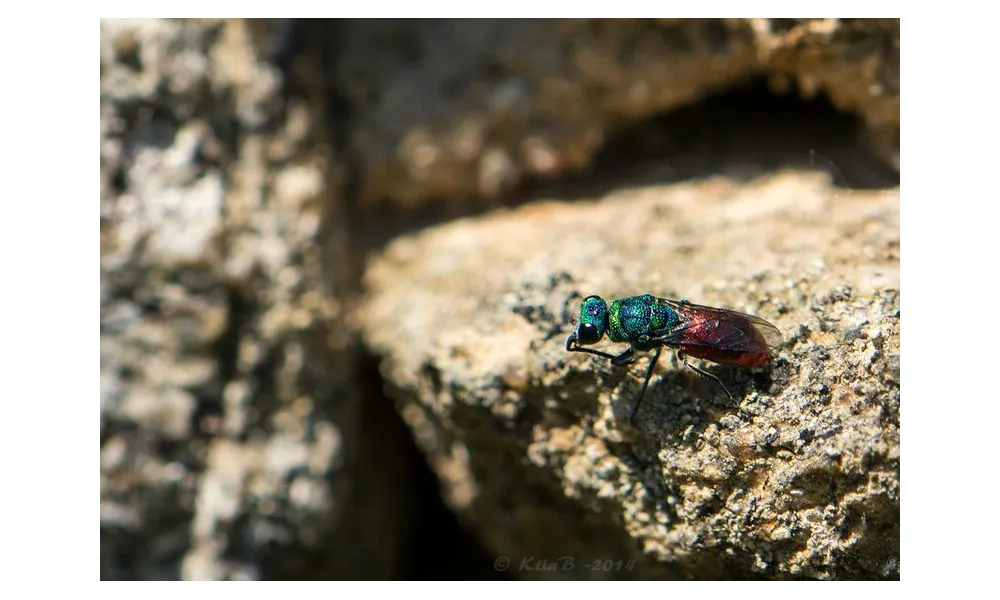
(445, 109)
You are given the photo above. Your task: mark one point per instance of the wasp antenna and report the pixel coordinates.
(833, 165)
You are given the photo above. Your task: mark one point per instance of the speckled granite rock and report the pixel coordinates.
(533, 444)
(229, 423)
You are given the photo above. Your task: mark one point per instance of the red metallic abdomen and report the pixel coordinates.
(747, 360)
(731, 341)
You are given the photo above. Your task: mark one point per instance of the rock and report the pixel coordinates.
(445, 109)
(230, 422)
(248, 167)
(533, 444)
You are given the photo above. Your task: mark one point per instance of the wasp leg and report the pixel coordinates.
(625, 358)
(645, 384)
(610, 357)
(572, 346)
(704, 373)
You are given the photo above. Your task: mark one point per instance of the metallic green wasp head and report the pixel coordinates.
(593, 320)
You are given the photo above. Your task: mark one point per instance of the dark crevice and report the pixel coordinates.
(439, 547)
(743, 133)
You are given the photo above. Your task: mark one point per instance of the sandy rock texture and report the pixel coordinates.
(800, 480)
(278, 221)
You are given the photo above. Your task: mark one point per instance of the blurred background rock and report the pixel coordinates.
(274, 194)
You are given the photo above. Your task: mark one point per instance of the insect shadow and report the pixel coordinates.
(676, 388)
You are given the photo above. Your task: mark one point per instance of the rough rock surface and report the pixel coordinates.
(240, 163)
(800, 480)
(478, 107)
(229, 423)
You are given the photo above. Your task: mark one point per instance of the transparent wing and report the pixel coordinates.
(728, 325)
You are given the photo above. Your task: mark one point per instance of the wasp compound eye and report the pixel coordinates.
(588, 333)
